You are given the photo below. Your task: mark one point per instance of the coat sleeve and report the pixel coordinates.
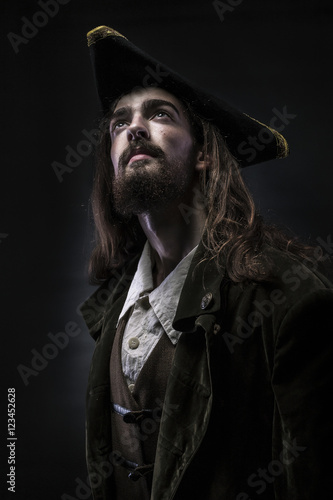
(302, 382)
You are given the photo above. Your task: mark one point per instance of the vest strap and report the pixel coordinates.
(141, 471)
(135, 417)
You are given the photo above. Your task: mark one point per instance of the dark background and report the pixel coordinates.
(263, 55)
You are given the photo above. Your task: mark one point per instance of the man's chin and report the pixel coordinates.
(139, 205)
(142, 194)
(148, 185)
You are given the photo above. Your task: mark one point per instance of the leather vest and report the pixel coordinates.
(136, 416)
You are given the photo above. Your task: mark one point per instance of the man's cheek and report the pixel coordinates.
(115, 161)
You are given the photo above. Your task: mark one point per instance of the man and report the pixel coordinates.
(211, 374)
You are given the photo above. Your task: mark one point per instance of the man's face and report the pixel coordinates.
(152, 151)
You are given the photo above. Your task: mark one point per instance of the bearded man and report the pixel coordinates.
(212, 367)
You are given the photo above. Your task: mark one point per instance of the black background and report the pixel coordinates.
(263, 55)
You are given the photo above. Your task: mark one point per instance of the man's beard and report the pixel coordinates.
(142, 188)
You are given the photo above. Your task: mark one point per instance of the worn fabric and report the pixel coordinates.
(136, 417)
(247, 411)
(153, 312)
(112, 54)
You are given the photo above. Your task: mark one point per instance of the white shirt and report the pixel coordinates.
(153, 313)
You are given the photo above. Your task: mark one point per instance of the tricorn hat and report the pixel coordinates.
(120, 66)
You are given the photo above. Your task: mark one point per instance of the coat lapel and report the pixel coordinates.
(186, 412)
(188, 399)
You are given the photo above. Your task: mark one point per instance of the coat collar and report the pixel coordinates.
(95, 308)
(201, 293)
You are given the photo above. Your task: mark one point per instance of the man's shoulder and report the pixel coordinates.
(293, 272)
(93, 309)
(291, 280)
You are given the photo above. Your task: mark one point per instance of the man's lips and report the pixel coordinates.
(138, 156)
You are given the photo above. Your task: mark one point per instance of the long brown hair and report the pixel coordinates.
(234, 234)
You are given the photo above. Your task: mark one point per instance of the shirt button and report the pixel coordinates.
(206, 300)
(133, 343)
(131, 387)
(217, 328)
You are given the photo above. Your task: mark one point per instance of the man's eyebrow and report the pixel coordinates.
(155, 103)
(125, 110)
(147, 106)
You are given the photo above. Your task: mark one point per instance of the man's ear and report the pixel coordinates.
(203, 162)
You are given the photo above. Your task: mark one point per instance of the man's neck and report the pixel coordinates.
(172, 235)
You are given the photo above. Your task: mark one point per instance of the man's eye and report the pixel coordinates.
(161, 114)
(118, 125)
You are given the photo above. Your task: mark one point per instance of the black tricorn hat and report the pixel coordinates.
(120, 66)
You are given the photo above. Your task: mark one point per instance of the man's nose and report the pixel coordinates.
(137, 130)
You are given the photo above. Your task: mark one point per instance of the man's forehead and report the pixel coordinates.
(140, 94)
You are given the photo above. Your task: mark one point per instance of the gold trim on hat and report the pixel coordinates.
(281, 143)
(101, 32)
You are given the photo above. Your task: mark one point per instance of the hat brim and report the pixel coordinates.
(119, 66)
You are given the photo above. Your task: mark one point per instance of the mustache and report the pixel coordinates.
(140, 144)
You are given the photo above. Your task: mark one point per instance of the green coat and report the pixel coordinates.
(247, 412)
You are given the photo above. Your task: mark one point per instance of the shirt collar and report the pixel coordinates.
(142, 282)
(163, 299)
